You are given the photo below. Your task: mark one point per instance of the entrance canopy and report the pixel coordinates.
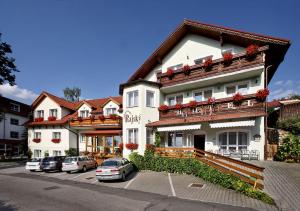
(179, 128)
(232, 124)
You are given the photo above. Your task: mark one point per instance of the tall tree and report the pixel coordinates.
(72, 94)
(7, 64)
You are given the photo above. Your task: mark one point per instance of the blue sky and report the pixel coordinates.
(96, 45)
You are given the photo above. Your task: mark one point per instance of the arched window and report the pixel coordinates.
(233, 140)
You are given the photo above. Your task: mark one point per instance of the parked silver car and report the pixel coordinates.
(34, 164)
(114, 168)
(78, 163)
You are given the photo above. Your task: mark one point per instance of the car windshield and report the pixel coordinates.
(110, 163)
(35, 160)
(70, 160)
(46, 159)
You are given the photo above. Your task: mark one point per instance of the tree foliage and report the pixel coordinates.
(72, 94)
(7, 64)
(290, 125)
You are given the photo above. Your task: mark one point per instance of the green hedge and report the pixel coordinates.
(154, 162)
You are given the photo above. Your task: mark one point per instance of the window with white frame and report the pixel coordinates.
(53, 112)
(56, 153)
(14, 134)
(178, 99)
(175, 139)
(37, 135)
(132, 135)
(14, 107)
(39, 114)
(176, 67)
(111, 111)
(241, 88)
(203, 95)
(84, 113)
(149, 98)
(132, 98)
(233, 141)
(37, 153)
(56, 135)
(149, 136)
(199, 61)
(14, 121)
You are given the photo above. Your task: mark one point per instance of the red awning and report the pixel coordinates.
(103, 132)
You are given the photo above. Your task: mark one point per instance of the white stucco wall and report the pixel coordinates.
(84, 107)
(48, 104)
(6, 127)
(110, 104)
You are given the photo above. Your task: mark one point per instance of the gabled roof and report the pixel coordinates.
(5, 105)
(223, 34)
(60, 101)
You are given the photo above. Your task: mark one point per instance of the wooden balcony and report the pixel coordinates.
(90, 122)
(240, 61)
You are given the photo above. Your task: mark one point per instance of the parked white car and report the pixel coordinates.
(34, 164)
(78, 163)
(114, 168)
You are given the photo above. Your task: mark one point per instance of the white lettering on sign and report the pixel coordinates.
(129, 117)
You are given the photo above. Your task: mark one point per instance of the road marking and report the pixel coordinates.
(80, 175)
(129, 183)
(171, 185)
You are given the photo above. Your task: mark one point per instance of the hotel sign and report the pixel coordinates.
(132, 118)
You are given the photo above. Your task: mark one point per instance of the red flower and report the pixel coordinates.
(150, 147)
(238, 99)
(132, 146)
(101, 117)
(211, 100)
(39, 119)
(262, 94)
(79, 119)
(186, 69)
(36, 140)
(113, 116)
(163, 108)
(170, 73)
(251, 50)
(51, 118)
(92, 117)
(227, 57)
(178, 106)
(192, 104)
(208, 62)
(56, 140)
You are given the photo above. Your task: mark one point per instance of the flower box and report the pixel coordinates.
(92, 117)
(208, 62)
(132, 146)
(170, 73)
(178, 106)
(113, 116)
(192, 104)
(39, 119)
(237, 99)
(262, 94)
(36, 140)
(163, 108)
(186, 69)
(56, 140)
(211, 100)
(79, 119)
(101, 117)
(51, 118)
(227, 57)
(251, 50)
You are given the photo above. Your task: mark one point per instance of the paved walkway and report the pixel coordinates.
(282, 182)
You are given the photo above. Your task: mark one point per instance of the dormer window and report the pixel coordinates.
(53, 112)
(110, 111)
(39, 114)
(14, 107)
(84, 113)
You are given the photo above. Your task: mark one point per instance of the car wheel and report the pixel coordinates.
(99, 180)
(123, 177)
(69, 172)
(84, 169)
(32, 170)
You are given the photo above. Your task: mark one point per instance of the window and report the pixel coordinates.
(84, 113)
(149, 136)
(111, 111)
(14, 107)
(14, 134)
(233, 141)
(132, 98)
(56, 153)
(241, 88)
(149, 98)
(56, 135)
(37, 135)
(39, 114)
(175, 100)
(175, 139)
(53, 112)
(14, 121)
(37, 153)
(176, 67)
(203, 95)
(132, 136)
(199, 61)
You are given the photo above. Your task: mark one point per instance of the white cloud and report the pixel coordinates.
(17, 93)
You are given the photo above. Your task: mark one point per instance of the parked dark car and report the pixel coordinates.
(52, 163)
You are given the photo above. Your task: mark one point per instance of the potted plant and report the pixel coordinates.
(251, 50)
(163, 108)
(262, 94)
(207, 63)
(192, 104)
(56, 140)
(51, 118)
(132, 146)
(101, 117)
(237, 99)
(170, 73)
(186, 69)
(211, 100)
(178, 106)
(36, 140)
(227, 58)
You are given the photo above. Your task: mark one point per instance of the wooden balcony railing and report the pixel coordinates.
(95, 122)
(247, 172)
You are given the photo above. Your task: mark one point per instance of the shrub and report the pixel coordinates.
(290, 149)
(151, 161)
(157, 140)
(71, 152)
(290, 125)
